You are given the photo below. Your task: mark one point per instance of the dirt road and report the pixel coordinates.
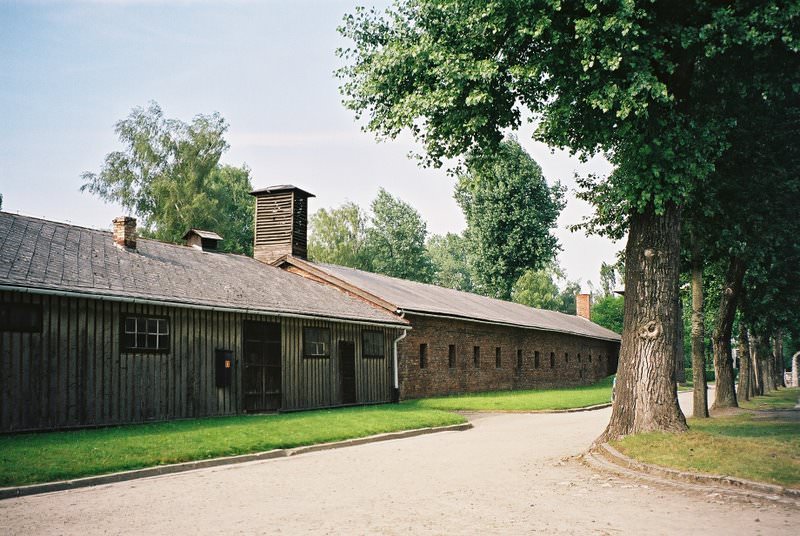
(506, 476)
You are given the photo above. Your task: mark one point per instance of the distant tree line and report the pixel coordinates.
(507, 250)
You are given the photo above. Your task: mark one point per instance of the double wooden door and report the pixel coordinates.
(261, 377)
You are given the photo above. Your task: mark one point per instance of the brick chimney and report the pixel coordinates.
(583, 305)
(125, 232)
(281, 226)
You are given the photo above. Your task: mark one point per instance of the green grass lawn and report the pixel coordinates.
(533, 400)
(764, 447)
(781, 399)
(48, 456)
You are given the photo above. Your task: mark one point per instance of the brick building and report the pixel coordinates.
(459, 341)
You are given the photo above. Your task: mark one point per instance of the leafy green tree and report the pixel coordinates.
(742, 226)
(451, 264)
(510, 212)
(629, 79)
(537, 288)
(1, 201)
(168, 174)
(339, 236)
(608, 311)
(540, 289)
(612, 275)
(396, 240)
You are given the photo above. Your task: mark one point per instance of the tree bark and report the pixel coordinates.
(698, 339)
(680, 358)
(758, 380)
(723, 330)
(765, 364)
(646, 394)
(777, 351)
(745, 391)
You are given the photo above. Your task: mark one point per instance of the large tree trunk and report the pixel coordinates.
(745, 368)
(723, 330)
(646, 396)
(777, 351)
(698, 339)
(765, 364)
(758, 379)
(680, 357)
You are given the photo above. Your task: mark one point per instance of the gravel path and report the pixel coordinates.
(509, 475)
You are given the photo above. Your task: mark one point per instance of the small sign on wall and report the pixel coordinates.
(224, 366)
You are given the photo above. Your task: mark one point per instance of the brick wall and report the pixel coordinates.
(577, 360)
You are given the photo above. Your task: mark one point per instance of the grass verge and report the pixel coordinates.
(532, 400)
(48, 456)
(782, 399)
(763, 447)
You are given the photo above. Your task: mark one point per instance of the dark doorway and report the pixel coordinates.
(261, 377)
(613, 362)
(347, 371)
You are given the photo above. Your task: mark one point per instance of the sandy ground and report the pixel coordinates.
(506, 476)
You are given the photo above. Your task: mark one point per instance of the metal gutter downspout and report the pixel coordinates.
(395, 367)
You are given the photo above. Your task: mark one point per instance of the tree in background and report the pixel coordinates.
(449, 256)
(388, 240)
(339, 236)
(1, 201)
(510, 212)
(396, 240)
(169, 175)
(540, 289)
(608, 312)
(612, 275)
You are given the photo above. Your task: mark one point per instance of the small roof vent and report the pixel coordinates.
(204, 240)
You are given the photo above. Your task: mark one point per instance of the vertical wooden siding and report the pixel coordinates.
(310, 382)
(74, 374)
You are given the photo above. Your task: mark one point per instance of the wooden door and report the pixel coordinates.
(347, 371)
(261, 377)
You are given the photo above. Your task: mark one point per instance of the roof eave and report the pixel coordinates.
(399, 323)
(507, 324)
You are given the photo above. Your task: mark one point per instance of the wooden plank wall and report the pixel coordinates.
(74, 374)
(314, 382)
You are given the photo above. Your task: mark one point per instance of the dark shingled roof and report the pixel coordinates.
(42, 254)
(431, 299)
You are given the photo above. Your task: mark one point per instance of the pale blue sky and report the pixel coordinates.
(69, 70)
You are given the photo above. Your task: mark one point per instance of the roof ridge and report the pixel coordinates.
(110, 232)
(481, 296)
(429, 298)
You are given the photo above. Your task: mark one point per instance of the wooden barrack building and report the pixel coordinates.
(100, 328)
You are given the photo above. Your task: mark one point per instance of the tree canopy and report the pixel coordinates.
(510, 212)
(645, 83)
(169, 175)
(539, 288)
(396, 239)
(339, 236)
(452, 266)
(608, 312)
(389, 239)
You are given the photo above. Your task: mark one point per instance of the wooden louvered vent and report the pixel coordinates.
(281, 222)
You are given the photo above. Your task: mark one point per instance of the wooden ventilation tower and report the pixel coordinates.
(281, 223)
